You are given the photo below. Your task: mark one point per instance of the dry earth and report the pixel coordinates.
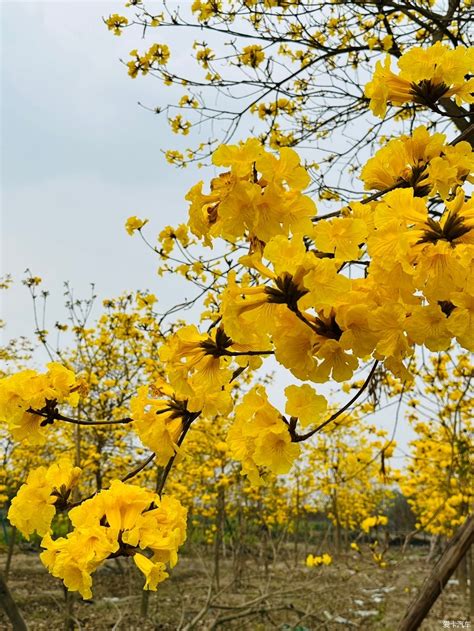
(352, 593)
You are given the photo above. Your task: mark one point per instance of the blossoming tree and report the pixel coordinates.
(354, 292)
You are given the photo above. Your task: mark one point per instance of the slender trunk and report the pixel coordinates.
(297, 521)
(264, 550)
(337, 529)
(9, 605)
(68, 610)
(461, 574)
(455, 550)
(470, 555)
(11, 547)
(144, 603)
(220, 516)
(238, 548)
(434, 545)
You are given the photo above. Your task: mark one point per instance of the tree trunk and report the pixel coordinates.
(471, 581)
(442, 571)
(11, 547)
(144, 604)
(68, 610)
(12, 611)
(461, 574)
(220, 518)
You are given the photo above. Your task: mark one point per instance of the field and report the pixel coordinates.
(350, 593)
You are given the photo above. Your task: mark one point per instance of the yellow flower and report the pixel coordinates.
(260, 198)
(335, 362)
(274, 449)
(259, 437)
(29, 390)
(461, 322)
(34, 506)
(354, 320)
(341, 237)
(421, 161)
(134, 223)
(159, 53)
(294, 345)
(316, 561)
(206, 10)
(326, 559)
(373, 522)
(286, 168)
(154, 572)
(310, 560)
(119, 521)
(204, 56)
(252, 56)
(116, 23)
(388, 325)
(157, 421)
(303, 403)
(426, 75)
(326, 287)
(32, 509)
(428, 326)
(179, 125)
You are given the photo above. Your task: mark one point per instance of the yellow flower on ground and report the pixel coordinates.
(316, 561)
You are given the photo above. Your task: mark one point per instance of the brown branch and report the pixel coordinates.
(57, 416)
(467, 135)
(244, 353)
(297, 438)
(187, 424)
(10, 607)
(140, 467)
(434, 584)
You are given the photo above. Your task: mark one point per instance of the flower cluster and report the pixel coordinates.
(158, 418)
(124, 520)
(319, 322)
(259, 197)
(28, 390)
(200, 367)
(252, 56)
(422, 161)
(373, 522)
(46, 490)
(259, 438)
(116, 23)
(426, 75)
(156, 55)
(134, 223)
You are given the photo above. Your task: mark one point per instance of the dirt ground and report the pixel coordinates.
(350, 593)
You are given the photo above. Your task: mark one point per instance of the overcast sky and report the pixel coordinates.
(78, 157)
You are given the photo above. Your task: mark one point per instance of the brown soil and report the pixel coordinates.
(353, 593)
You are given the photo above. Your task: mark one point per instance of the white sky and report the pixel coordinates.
(78, 157)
